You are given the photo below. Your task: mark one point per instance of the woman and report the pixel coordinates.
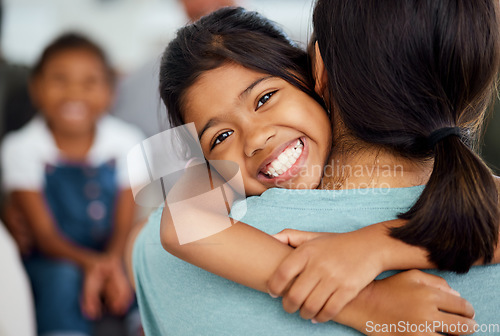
(144, 270)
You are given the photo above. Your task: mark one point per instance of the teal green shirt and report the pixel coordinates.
(177, 298)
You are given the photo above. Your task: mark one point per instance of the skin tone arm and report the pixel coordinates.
(17, 226)
(47, 238)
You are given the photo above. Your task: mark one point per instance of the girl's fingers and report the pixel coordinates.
(91, 306)
(283, 236)
(297, 294)
(335, 303)
(316, 300)
(286, 272)
(454, 325)
(455, 305)
(296, 238)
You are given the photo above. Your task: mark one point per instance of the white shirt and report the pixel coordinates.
(27, 151)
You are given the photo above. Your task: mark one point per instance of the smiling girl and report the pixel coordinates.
(65, 172)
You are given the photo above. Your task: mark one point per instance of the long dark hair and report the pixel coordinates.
(229, 35)
(400, 70)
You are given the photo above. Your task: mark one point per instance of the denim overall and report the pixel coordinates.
(81, 200)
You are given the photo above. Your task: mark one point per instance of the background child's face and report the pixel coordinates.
(278, 135)
(72, 91)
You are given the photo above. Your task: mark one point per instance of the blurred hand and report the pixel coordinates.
(93, 286)
(118, 293)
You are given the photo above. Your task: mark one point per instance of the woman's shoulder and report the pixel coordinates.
(350, 198)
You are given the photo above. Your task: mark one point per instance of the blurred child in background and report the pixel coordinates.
(65, 173)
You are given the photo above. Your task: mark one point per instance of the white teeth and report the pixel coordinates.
(276, 165)
(74, 110)
(285, 160)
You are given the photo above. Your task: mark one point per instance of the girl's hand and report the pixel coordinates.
(118, 294)
(411, 303)
(93, 286)
(325, 271)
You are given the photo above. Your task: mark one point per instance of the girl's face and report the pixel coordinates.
(277, 134)
(72, 91)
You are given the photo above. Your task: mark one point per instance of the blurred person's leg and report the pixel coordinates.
(16, 305)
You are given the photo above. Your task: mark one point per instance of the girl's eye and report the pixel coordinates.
(264, 99)
(221, 137)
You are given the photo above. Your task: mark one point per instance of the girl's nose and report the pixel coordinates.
(257, 138)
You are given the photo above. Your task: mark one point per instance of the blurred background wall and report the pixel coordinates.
(134, 33)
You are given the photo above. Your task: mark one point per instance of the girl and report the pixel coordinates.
(64, 171)
(258, 95)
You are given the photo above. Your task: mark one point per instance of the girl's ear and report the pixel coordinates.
(320, 77)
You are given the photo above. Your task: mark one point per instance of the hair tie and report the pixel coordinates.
(442, 133)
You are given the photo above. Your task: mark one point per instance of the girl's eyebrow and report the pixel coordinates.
(209, 124)
(247, 91)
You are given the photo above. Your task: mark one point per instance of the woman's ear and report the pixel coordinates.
(320, 77)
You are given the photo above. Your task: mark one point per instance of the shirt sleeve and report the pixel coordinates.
(21, 165)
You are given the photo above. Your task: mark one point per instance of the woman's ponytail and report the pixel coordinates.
(456, 217)
(415, 67)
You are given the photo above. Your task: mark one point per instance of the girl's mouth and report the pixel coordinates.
(74, 111)
(284, 161)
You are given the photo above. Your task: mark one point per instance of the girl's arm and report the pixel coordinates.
(196, 228)
(47, 237)
(97, 267)
(248, 256)
(240, 253)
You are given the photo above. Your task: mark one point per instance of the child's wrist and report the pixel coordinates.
(387, 250)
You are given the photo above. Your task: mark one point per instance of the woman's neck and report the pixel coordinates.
(357, 165)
